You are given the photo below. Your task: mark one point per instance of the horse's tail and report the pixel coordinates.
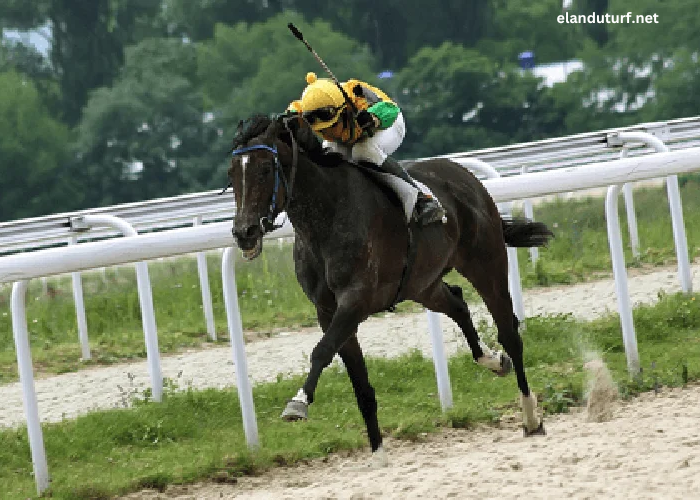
(522, 232)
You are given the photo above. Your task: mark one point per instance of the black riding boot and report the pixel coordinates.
(427, 209)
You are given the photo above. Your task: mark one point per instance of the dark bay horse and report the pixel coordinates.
(350, 251)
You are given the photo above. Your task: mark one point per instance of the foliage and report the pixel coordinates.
(456, 98)
(34, 155)
(115, 65)
(515, 30)
(87, 42)
(241, 76)
(145, 136)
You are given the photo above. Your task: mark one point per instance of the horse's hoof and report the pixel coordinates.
(536, 432)
(295, 410)
(379, 460)
(506, 366)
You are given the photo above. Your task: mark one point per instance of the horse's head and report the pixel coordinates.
(259, 182)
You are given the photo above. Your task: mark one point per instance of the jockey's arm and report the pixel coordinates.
(386, 112)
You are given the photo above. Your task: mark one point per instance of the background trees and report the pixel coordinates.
(136, 99)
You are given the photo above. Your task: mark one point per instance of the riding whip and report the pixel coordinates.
(300, 37)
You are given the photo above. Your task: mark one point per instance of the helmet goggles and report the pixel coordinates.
(324, 115)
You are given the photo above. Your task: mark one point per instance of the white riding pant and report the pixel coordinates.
(375, 149)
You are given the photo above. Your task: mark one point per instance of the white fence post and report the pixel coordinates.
(26, 377)
(629, 209)
(235, 329)
(674, 201)
(143, 282)
(80, 308)
(530, 214)
(203, 272)
(620, 272)
(440, 360)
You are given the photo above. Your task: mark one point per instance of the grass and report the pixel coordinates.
(270, 297)
(580, 250)
(196, 435)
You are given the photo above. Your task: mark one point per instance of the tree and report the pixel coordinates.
(598, 32)
(396, 29)
(677, 28)
(34, 152)
(147, 136)
(87, 40)
(261, 67)
(677, 90)
(457, 99)
(521, 25)
(197, 20)
(24, 59)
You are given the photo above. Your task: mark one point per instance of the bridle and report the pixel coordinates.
(267, 221)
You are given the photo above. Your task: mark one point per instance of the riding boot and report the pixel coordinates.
(427, 209)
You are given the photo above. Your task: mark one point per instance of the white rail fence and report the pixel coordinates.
(207, 207)
(20, 268)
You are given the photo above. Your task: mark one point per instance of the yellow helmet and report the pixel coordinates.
(322, 102)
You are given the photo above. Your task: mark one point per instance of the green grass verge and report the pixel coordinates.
(270, 297)
(195, 435)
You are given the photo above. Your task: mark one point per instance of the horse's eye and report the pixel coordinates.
(265, 170)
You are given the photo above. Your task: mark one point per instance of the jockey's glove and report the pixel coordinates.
(366, 120)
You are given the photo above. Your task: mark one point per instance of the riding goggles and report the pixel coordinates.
(322, 115)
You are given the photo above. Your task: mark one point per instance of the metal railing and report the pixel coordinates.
(179, 211)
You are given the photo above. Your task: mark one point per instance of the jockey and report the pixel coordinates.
(368, 137)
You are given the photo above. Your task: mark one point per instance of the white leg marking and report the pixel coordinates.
(490, 359)
(529, 406)
(301, 397)
(380, 458)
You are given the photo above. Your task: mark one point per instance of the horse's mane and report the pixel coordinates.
(249, 129)
(257, 124)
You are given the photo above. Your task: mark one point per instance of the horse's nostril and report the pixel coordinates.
(246, 232)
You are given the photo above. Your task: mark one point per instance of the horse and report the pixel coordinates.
(353, 251)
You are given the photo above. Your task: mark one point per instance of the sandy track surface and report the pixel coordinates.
(72, 394)
(649, 449)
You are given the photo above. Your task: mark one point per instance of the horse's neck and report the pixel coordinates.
(314, 192)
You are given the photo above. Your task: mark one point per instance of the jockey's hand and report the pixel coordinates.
(367, 120)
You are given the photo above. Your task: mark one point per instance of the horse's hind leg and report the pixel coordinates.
(491, 281)
(447, 299)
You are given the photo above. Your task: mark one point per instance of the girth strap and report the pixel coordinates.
(410, 259)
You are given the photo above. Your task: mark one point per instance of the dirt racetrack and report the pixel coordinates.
(648, 449)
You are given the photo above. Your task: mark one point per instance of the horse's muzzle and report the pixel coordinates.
(249, 240)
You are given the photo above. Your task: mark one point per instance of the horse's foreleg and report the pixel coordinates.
(337, 327)
(343, 325)
(354, 361)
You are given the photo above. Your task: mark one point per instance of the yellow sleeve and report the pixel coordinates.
(359, 101)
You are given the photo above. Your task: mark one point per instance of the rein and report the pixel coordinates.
(267, 222)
